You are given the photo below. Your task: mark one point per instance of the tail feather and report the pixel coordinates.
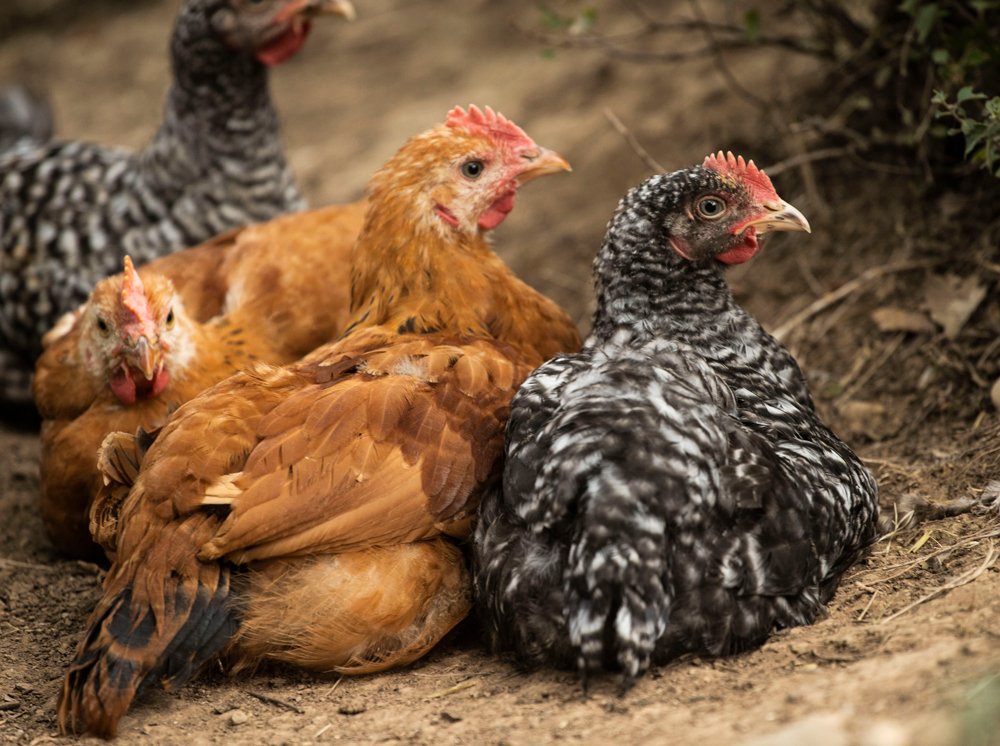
(118, 460)
(130, 648)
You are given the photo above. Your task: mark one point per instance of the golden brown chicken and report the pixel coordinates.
(307, 513)
(133, 353)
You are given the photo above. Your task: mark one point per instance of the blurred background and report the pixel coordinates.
(879, 121)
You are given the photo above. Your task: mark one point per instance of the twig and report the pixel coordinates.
(968, 541)
(324, 729)
(882, 359)
(640, 151)
(278, 702)
(816, 155)
(451, 690)
(333, 688)
(842, 292)
(964, 579)
(30, 565)
(870, 602)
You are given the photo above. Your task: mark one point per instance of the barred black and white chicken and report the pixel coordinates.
(669, 488)
(71, 211)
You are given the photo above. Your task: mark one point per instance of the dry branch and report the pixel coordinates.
(842, 292)
(961, 580)
(640, 151)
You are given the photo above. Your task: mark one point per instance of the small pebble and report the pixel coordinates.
(238, 717)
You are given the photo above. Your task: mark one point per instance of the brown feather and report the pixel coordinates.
(341, 472)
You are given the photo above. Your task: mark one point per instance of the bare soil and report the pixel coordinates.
(878, 671)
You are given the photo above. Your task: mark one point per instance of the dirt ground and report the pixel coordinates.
(888, 667)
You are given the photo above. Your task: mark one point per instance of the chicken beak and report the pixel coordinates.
(779, 216)
(313, 8)
(541, 162)
(334, 8)
(144, 357)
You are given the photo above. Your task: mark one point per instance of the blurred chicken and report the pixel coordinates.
(23, 116)
(306, 513)
(70, 212)
(670, 488)
(292, 272)
(134, 353)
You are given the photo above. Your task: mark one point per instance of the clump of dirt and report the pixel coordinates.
(911, 648)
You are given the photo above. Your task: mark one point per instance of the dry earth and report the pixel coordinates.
(915, 404)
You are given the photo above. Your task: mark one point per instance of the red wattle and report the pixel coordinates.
(160, 380)
(744, 252)
(123, 386)
(497, 212)
(284, 46)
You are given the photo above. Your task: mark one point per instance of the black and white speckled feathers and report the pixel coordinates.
(69, 212)
(669, 488)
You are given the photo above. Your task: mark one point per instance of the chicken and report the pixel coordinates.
(292, 272)
(70, 212)
(132, 358)
(23, 115)
(309, 513)
(670, 488)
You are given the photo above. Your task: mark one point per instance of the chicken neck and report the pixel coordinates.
(218, 119)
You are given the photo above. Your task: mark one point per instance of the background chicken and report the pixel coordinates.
(133, 353)
(289, 277)
(301, 513)
(69, 212)
(669, 488)
(23, 115)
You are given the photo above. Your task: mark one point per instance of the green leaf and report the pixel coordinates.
(973, 134)
(940, 56)
(909, 6)
(967, 93)
(940, 97)
(924, 21)
(751, 24)
(976, 57)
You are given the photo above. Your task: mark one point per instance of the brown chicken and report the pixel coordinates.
(133, 353)
(307, 513)
(291, 271)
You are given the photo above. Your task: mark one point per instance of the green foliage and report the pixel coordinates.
(578, 23)
(915, 48)
(982, 132)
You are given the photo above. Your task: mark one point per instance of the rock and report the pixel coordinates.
(238, 717)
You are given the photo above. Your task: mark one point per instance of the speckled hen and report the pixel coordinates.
(669, 488)
(71, 211)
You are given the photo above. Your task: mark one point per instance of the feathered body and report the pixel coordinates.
(669, 488)
(70, 212)
(342, 480)
(283, 288)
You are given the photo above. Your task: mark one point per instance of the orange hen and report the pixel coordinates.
(284, 288)
(308, 513)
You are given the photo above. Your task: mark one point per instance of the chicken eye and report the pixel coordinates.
(710, 207)
(170, 319)
(472, 169)
(102, 325)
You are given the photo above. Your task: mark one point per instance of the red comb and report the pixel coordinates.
(133, 293)
(753, 177)
(488, 123)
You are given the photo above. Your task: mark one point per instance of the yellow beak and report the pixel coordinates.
(312, 8)
(144, 356)
(541, 162)
(331, 8)
(780, 216)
